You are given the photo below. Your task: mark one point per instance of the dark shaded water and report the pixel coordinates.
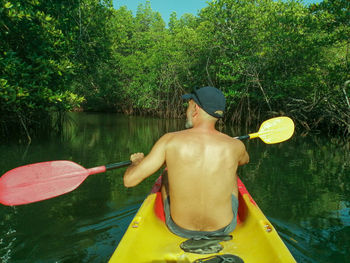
(302, 186)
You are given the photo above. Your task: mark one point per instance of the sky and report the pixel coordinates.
(166, 7)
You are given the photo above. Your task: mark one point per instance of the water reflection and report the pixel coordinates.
(302, 185)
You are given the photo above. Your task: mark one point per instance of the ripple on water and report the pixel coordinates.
(92, 239)
(307, 242)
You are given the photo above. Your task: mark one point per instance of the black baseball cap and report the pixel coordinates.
(210, 99)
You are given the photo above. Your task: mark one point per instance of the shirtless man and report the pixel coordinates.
(201, 193)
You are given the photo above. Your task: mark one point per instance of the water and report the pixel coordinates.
(301, 185)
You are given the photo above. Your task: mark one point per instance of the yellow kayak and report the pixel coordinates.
(148, 239)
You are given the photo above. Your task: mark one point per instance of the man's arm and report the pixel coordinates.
(143, 167)
(244, 156)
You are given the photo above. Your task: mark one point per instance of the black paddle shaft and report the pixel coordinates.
(117, 165)
(242, 137)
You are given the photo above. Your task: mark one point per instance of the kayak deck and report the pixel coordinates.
(148, 239)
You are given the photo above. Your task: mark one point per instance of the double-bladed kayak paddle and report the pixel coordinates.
(40, 181)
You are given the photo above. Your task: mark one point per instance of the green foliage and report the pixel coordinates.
(34, 65)
(269, 58)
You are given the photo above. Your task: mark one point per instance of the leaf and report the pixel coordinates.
(8, 5)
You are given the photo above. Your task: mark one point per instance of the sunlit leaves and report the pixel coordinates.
(268, 57)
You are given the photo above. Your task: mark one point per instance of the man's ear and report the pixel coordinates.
(196, 109)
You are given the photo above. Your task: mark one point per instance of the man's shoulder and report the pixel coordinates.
(169, 136)
(233, 142)
(227, 138)
(177, 136)
(171, 139)
(188, 133)
(177, 133)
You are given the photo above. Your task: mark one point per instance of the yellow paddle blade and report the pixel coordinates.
(275, 130)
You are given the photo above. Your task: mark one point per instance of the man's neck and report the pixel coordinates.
(204, 126)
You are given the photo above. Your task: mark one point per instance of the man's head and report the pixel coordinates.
(209, 99)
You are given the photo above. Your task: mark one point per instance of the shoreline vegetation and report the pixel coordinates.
(270, 58)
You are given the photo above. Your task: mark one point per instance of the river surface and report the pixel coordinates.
(302, 186)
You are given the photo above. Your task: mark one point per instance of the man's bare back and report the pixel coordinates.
(202, 177)
(202, 165)
(201, 173)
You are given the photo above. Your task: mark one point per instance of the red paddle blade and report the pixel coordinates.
(40, 181)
